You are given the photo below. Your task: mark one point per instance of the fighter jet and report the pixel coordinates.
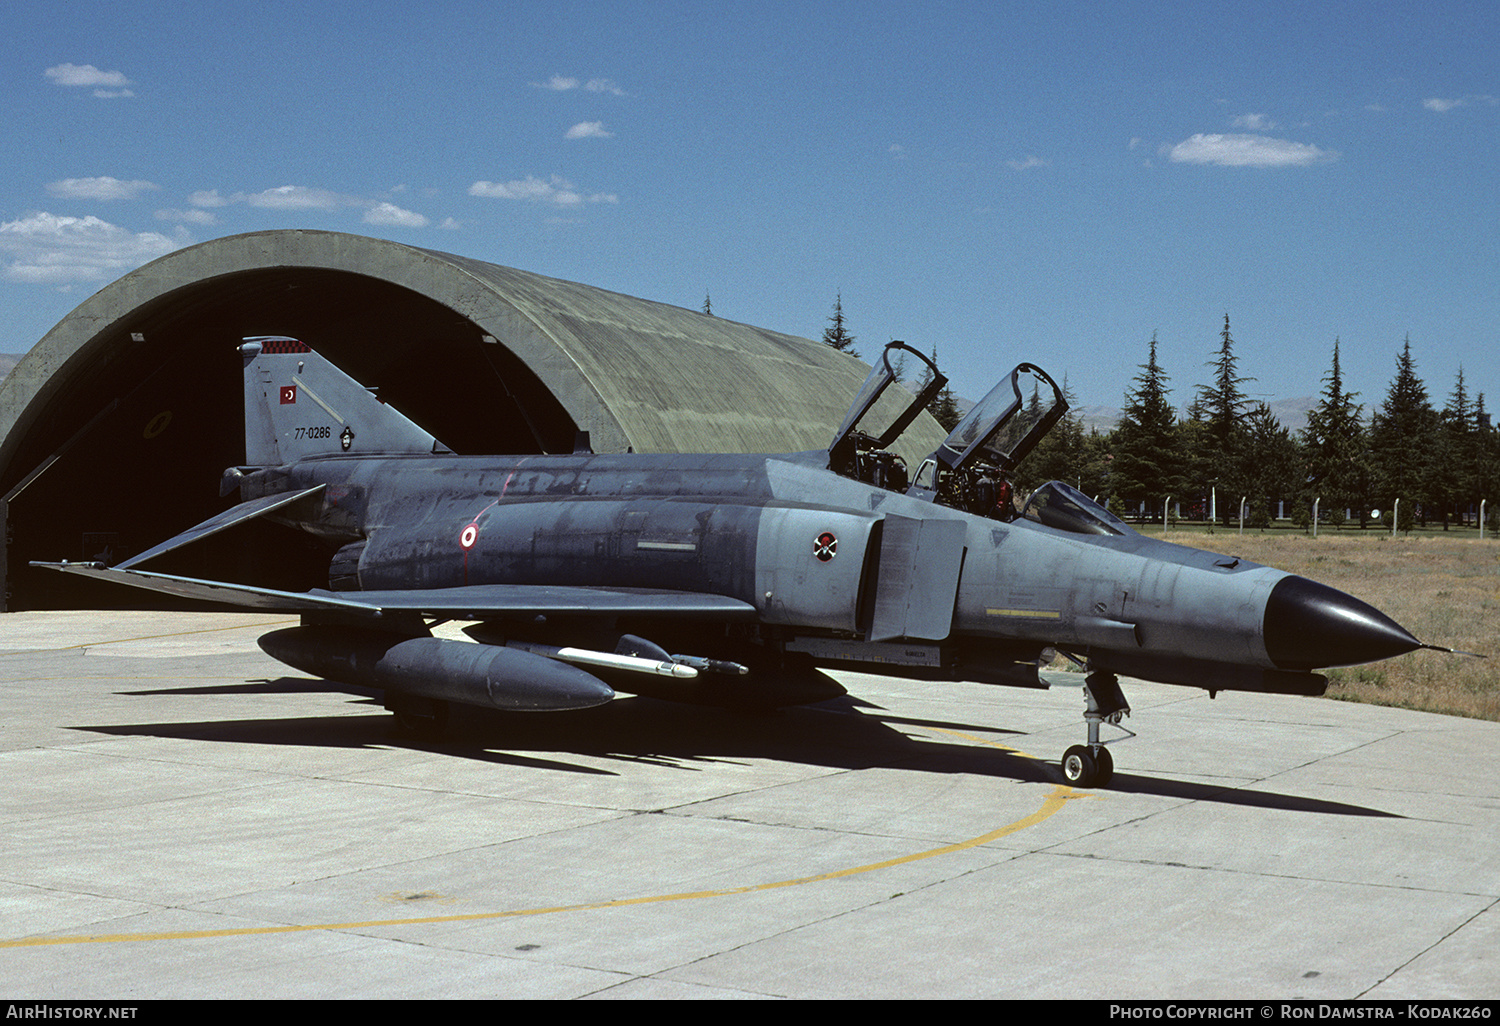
(737, 579)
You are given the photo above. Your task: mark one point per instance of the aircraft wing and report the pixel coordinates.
(474, 602)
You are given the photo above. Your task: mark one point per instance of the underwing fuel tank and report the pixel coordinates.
(455, 671)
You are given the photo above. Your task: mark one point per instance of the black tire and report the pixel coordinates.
(1078, 766)
(1104, 766)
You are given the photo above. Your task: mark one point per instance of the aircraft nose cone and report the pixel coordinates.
(1310, 625)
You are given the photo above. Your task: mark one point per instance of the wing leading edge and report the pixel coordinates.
(474, 602)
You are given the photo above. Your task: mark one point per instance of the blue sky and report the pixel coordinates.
(1042, 181)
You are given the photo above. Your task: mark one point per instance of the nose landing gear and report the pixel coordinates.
(1091, 765)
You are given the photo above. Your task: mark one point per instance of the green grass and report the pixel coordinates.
(1444, 587)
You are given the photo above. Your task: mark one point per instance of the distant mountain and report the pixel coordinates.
(1102, 419)
(1293, 412)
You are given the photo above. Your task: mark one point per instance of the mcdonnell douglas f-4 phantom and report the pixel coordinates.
(584, 573)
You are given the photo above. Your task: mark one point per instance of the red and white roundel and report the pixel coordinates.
(468, 536)
(825, 546)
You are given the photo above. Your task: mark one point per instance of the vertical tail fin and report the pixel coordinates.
(297, 404)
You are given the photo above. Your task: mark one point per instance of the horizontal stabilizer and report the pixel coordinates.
(473, 602)
(238, 515)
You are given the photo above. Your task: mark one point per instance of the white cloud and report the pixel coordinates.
(1254, 122)
(200, 217)
(1247, 151)
(589, 130)
(295, 197)
(104, 188)
(1442, 106)
(394, 216)
(298, 197)
(1031, 161)
(85, 75)
(110, 84)
(563, 83)
(45, 249)
(557, 191)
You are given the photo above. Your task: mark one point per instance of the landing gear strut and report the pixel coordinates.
(1091, 765)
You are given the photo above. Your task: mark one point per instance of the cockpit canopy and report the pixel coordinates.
(882, 409)
(1065, 508)
(1003, 427)
(970, 469)
(881, 422)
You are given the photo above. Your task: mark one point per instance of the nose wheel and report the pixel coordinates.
(1091, 765)
(1083, 766)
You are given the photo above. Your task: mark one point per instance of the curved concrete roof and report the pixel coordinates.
(115, 427)
(631, 371)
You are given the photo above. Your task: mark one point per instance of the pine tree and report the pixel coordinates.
(835, 335)
(943, 406)
(1271, 465)
(925, 378)
(1224, 404)
(945, 409)
(708, 306)
(1146, 461)
(900, 369)
(1094, 466)
(1455, 474)
(1059, 455)
(1333, 447)
(1486, 461)
(1401, 435)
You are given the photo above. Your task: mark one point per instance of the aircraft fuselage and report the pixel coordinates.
(865, 575)
(736, 578)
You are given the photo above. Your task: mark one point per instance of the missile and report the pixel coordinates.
(608, 660)
(683, 667)
(723, 666)
(455, 671)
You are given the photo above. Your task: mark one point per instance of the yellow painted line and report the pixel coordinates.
(1033, 614)
(1050, 806)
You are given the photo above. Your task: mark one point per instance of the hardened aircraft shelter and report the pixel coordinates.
(115, 428)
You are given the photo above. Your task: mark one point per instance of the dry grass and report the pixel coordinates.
(1445, 590)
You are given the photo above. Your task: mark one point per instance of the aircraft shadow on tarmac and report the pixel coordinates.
(844, 733)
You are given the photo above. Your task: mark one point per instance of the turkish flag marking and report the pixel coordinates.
(288, 394)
